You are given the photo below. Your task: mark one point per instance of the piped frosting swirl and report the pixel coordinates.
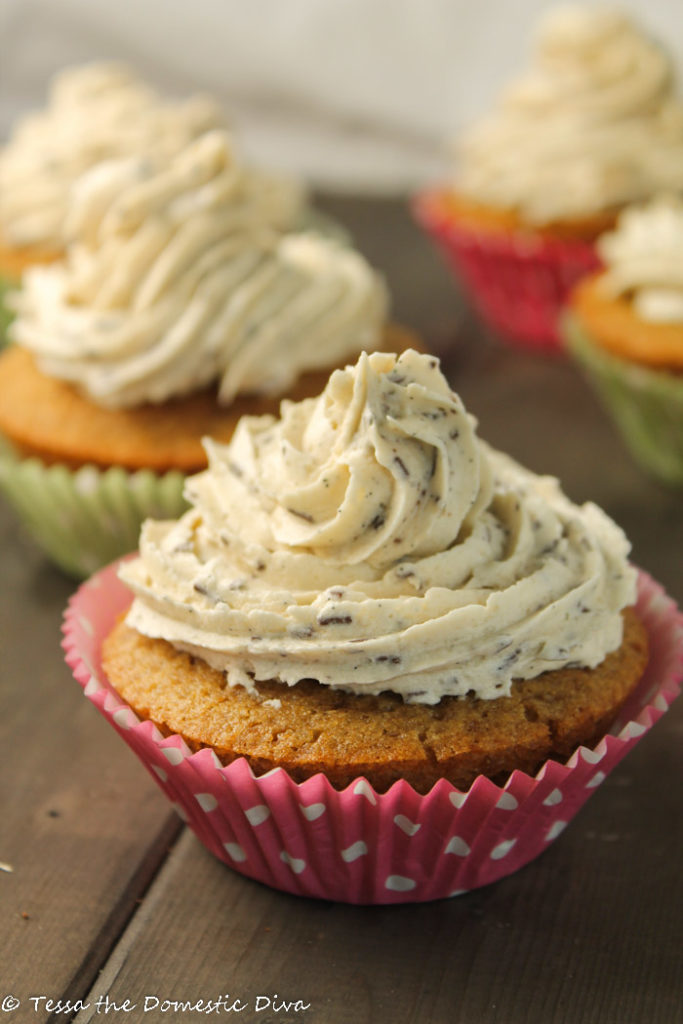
(96, 112)
(182, 277)
(369, 540)
(594, 123)
(643, 259)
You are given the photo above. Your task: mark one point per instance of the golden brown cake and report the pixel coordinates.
(364, 588)
(467, 213)
(624, 325)
(310, 728)
(52, 420)
(190, 288)
(615, 325)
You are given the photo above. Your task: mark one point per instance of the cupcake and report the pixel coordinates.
(180, 308)
(376, 660)
(592, 126)
(625, 327)
(95, 112)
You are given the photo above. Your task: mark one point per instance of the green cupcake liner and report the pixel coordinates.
(646, 404)
(7, 284)
(85, 518)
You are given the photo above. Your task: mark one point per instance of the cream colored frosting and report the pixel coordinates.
(95, 112)
(180, 279)
(368, 539)
(592, 125)
(643, 259)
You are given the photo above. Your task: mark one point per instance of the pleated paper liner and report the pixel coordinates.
(518, 283)
(646, 404)
(84, 518)
(357, 845)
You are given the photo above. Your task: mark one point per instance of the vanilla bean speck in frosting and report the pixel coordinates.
(643, 259)
(183, 276)
(95, 112)
(369, 540)
(594, 124)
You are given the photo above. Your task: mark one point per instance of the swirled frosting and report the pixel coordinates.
(95, 112)
(180, 279)
(369, 540)
(643, 259)
(592, 125)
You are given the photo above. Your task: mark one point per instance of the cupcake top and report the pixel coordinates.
(592, 125)
(369, 540)
(180, 279)
(643, 259)
(94, 112)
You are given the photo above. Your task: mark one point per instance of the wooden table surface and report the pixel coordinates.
(113, 902)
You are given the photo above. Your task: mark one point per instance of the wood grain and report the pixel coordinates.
(591, 932)
(82, 828)
(586, 933)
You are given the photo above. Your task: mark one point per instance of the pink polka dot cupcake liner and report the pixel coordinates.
(518, 283)
(357, 845)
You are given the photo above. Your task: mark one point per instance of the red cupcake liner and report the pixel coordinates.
(518, 282)
(357, 845)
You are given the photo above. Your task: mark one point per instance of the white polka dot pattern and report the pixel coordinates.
(354, 851)
(173, 755)
(406, 825)
(399, 883)
(207, 801)
(457, 799)
(555, 829)
(458, 846)
(235, 851)
(124, 718)
(358, 845)
(363, 788)
(92, 686)
(553, 798)
(295, 863)
(257, 815)
(313, 811)
(502, 849)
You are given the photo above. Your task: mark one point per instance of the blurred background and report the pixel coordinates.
(355, 95)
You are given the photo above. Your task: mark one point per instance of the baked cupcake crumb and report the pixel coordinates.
(309, 728)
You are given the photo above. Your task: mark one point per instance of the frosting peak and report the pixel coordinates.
(181, 277)
(643, 258)
(593, 124)
(96, 112)
(366, 472)
(369, 540)
(595, 61)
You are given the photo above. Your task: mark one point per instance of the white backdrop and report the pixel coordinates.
(352, 94)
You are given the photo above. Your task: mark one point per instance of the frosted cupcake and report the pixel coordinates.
(180, 308)
(365, 661)
(594, 124)
(625, 326)
(93, 113)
